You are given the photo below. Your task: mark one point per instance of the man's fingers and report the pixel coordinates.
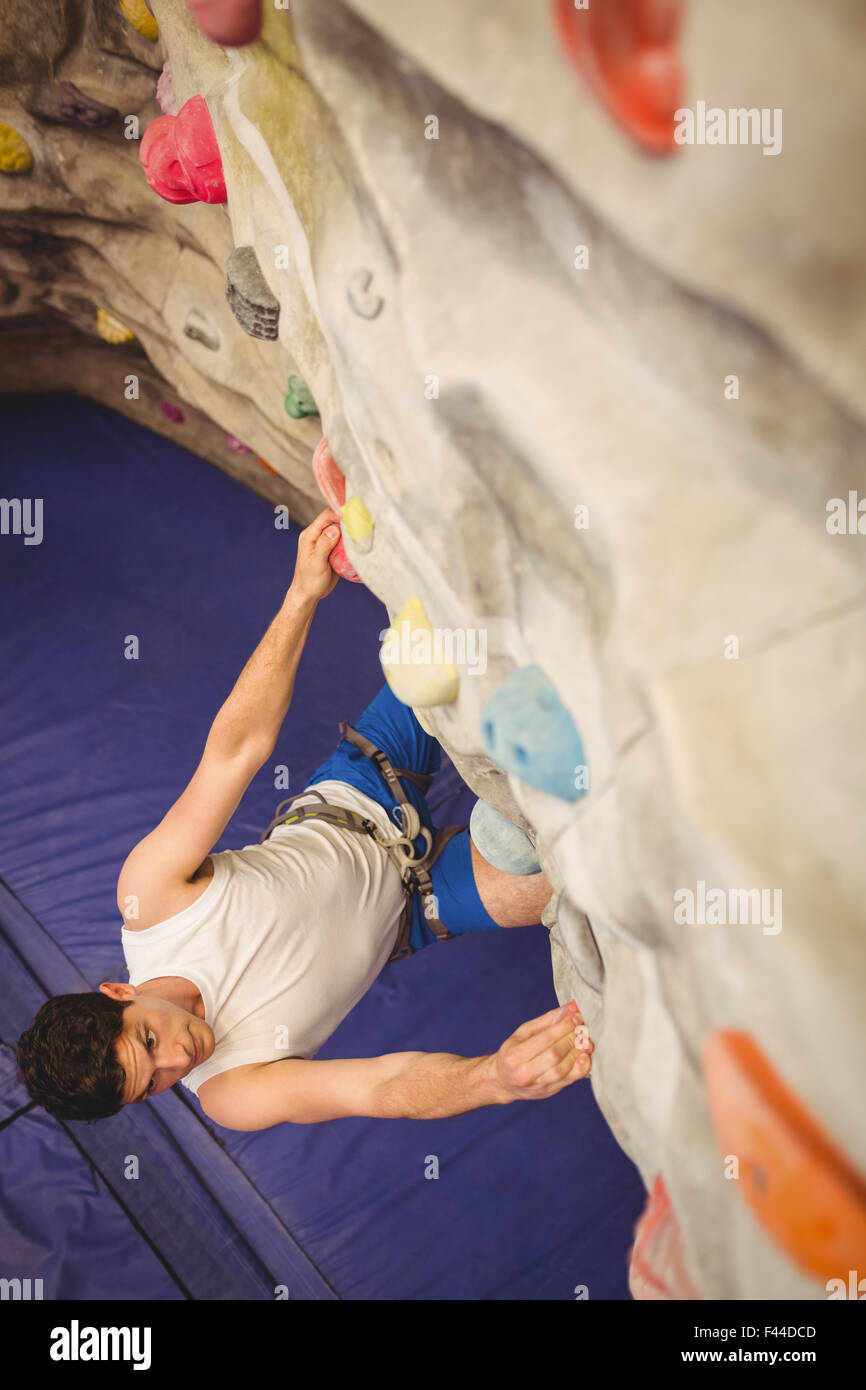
(537, 1025)
(320, 524)
(548, 1064)
(571, 1068)
(526, 1048)
(550, 1060)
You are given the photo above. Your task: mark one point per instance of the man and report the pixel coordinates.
(243, 963)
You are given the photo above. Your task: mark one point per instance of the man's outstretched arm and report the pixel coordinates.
(250, 720)
(535, 1062)
(241, 739)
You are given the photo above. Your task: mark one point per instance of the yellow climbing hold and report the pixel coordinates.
(414, 659)
(140, 18)
(16, 156)
(358, 523)
(111, 329)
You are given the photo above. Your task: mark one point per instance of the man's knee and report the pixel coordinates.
(512, 900)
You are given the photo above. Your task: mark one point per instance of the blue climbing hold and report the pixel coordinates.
(501, 842)
(528, 731)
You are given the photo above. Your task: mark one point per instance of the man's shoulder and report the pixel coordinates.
(168, 902)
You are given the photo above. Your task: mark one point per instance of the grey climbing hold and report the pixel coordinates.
(501, 842)
(364, 301)
(199, 327)
(63, 104)
(250, 300)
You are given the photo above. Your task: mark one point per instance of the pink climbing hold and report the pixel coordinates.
(171, 412)
(181, 157)
(332, 486)
(165, 91)
(231, 23)
(329, 476)
(234, 443)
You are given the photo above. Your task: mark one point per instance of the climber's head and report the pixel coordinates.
(87, 1055)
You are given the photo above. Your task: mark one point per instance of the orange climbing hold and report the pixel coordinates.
(800, 1186)
(626, 51)
(264, 463)
(332, 486)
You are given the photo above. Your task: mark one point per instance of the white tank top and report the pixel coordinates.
(285, 939)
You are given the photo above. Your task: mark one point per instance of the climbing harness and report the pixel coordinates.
(414, 869)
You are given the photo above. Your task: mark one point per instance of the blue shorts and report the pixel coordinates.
(392, 726)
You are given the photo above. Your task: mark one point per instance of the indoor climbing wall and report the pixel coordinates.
(587, 395)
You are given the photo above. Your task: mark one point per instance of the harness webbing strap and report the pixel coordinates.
(390, 773)
(414, 871)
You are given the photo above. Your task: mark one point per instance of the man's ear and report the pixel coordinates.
(117, 991)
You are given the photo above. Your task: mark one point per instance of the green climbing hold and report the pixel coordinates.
(299, 401)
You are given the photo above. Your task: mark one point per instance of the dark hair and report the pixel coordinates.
(67, 1056)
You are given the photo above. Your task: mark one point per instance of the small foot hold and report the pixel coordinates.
(500, 841)
(299, 400)
(140, 16)
(111, 329)
(16, 156)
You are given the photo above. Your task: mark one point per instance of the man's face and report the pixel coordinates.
(160, 1043)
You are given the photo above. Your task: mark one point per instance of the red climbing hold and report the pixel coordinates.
(332, 486)
(626, 50)
(658, 1268)
(231, 23)
(329, 476)
(181, 157)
